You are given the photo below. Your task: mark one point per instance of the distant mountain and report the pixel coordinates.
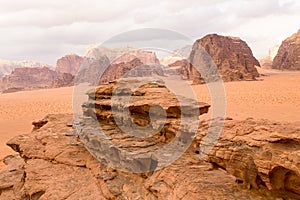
(7, 66)
(122, 54)
(28, 78)
(267, 61)
(69, 63)
(102, 64)
(288, 56)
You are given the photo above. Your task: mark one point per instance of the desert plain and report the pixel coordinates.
(274, 96)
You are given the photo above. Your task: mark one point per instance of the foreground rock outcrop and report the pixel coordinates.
(288, 56)
(54, 166)
(152, 118)
(261, 153)
(232, 57)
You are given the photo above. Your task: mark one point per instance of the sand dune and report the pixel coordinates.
(276, 98)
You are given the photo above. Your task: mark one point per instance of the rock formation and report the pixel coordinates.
(62, 80)
(288, 56)
(260, 153)
(59, 167)
(117, 70)
(106, 64)
(92, 70)
(29, 78)
(261, 158)
(101, 70)
(34, 78)
(69, 64)
(133, 68)
(232, 56)
(107, 103)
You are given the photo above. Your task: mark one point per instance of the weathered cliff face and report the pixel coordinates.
(92, 70)
(69, 64)
(260, 153)
(288, 56)
(29, 78)
(34, 78)
(232, 56)
(63, 80)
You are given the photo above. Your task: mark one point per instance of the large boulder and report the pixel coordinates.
(231, 55)
(288, 56)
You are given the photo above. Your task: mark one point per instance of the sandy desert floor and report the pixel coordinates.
(277, 97)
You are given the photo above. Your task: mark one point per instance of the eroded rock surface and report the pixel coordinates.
(57, 168)
(288, 56)
(261, 153)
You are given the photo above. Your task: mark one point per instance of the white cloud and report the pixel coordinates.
(45, 30)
